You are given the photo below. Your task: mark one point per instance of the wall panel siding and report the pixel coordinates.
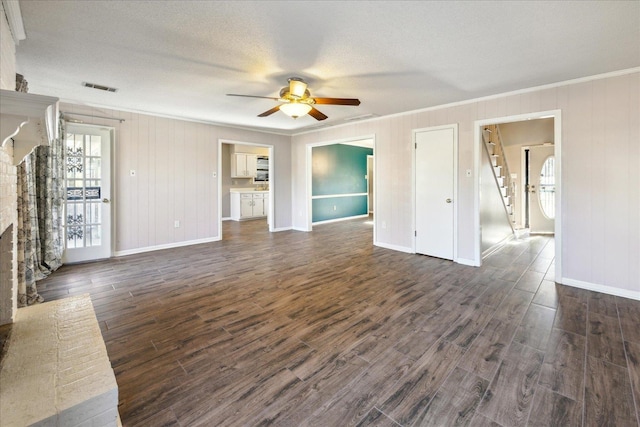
(600, 178)
(174, 162)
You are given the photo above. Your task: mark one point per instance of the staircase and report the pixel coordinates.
(494, 148)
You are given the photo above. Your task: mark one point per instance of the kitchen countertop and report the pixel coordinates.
(248, 190)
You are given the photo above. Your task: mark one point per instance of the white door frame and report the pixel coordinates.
(477, 147)
(309, 176)
(414, 132)
(272, 181)
(113, 200)
(369, 176)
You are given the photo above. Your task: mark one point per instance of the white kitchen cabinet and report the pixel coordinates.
(249, 205)
(246, 206)
(258, 205)
(244, 165)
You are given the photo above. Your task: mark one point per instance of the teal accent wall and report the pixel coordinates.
(339, 169)
(345, 207)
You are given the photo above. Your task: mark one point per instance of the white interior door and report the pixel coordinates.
(88, 182)
(435, 167)
(541, 189)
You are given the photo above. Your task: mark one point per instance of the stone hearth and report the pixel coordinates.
(56, 370)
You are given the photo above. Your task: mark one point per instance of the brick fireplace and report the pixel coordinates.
(26, 120)
(8, 237)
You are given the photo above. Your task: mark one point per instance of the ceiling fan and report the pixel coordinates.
(297, 101)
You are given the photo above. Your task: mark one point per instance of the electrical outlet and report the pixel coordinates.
(334, 207)
(132, 172)
(176, 224)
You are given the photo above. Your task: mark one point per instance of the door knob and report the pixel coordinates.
(448, 200)
(105, 200)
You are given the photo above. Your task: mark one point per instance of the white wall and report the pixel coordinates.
(174, 162)
(600, 173)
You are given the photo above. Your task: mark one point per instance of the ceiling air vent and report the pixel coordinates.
(99, 87)
(362, 117)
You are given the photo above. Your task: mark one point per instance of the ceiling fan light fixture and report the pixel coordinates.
(297, 87)
(295, 109)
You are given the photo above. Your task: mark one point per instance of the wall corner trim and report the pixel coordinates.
(610, 290)
(275, 230)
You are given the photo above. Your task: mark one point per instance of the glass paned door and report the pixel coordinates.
(88, 207)
(541, 189)
(547, 188)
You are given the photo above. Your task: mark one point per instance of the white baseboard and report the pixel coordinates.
(306, 230)
(394, 247)
(464, 261)
(341, 219)
(166, 246)
(226, 218)
(497, 246)
(275, 230)
(611, 290)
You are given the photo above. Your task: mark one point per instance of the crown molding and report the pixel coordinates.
(14, 17)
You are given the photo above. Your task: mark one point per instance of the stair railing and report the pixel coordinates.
(505, 178)
(508, 179)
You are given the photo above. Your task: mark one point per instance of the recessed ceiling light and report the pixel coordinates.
(99, 87)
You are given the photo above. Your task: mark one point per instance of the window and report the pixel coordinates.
(547, 188)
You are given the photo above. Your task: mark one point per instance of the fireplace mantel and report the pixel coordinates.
(27, 118)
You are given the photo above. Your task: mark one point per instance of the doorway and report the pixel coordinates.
(245, 183)
(535, 165)
(87, 219)
(539, 188)
(340, 181)
(435, 184)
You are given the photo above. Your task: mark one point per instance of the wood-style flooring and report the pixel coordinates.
(324, 329)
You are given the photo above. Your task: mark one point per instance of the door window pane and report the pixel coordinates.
(547, 188)
(84, 198)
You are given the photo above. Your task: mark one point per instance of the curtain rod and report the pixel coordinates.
(91, 115)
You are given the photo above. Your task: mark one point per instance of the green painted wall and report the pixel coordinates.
(339, 169)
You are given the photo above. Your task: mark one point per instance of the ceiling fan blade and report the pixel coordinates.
(269, 112)
(253, 96)
(337, 101)
(316, 114)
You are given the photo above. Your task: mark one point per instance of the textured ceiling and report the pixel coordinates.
(180, 58)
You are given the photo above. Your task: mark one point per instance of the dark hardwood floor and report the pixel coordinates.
(324, 329)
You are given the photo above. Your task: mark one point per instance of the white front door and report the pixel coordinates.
(435, 165)
(88, 183)
(541, 189)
